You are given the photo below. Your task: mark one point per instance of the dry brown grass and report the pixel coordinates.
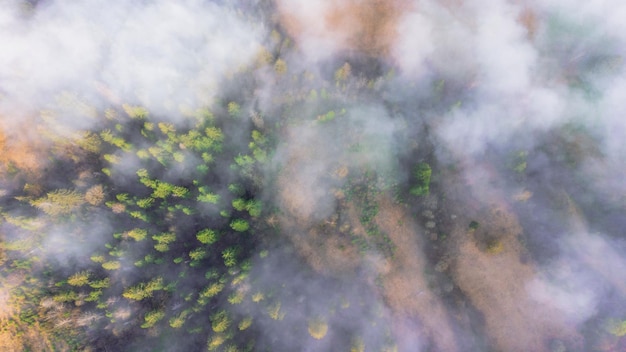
(405, 287)
(496, 282)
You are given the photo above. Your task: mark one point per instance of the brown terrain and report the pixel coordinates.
(488, 264)
(353, 25)
(405, 286)
(495, 275)
(369, 27)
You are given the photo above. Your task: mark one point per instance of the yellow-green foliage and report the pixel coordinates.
(166, 127)
(119, 142)
(29, 224)
(231, 348)
(111, 265)
(135, 112)
(89, 142)
(208, 198)
(143, 290)
(79, 279)
(258, 297)
(220, 321)
(152, 318)
(230, 256)
(214, 133)
(274, 311)
(178, 321)
(617, 328)
(212, 290)
(236, 297)
(97, 258)
(67, 296)
(93, 296)
(357, 345)
(233, 108)
(240, 225)
(245, 323)
(318, 328)
(421, 174)
(280, 66)
(59, 202)
(197, 254)
(145, 202)
(104, 283)
(343, 72)
(216, 341)
(137, 234)
(239, 204)
(163, 240)
(206, 236)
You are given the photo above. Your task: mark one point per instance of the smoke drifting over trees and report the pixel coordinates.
(260, 175)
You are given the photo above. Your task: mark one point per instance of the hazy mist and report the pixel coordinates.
(327, 113)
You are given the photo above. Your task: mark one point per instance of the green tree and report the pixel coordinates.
(421, 174)
(198, 254)
(240, 225)
(234, 109)
(212, 290)
(207, 236)
(239, 204)
(230, 256)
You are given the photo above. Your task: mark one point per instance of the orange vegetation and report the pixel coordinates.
(19, 149)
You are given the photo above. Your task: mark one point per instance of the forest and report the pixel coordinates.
(274, 175)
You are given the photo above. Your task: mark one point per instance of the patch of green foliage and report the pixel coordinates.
(421, 178)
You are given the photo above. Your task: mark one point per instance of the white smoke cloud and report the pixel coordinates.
(159, 54)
